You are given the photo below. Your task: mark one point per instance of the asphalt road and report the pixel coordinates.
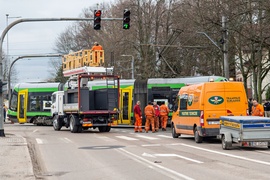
(123, 154)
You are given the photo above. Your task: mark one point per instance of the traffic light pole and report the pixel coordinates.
(2, 133)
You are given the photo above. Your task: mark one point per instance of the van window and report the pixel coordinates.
(183, 102)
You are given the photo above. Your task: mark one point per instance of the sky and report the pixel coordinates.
(31, 38)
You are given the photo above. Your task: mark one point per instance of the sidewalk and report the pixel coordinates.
(15, 161)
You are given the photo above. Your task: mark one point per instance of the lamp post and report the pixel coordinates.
(132, 65)
(8, 17)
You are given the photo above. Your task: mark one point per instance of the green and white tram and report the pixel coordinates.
(31, 103)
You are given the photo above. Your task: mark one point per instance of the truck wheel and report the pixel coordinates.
(80, 129)
(225, 145)
(174, 134)
(57, 125)
(102, 128)
(108, 128)
(72, 125)
(197, 137)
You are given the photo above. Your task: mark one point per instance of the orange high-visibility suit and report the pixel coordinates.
(138, 118)
(156, 118)
(164, 112)
(149, 112)
(97, 47)
(258, 110)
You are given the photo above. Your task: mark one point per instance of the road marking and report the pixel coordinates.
(35, 130)
(176, 155)
(169, 172)
(148, 155)
(107, 139)
(39, 141)
(149, 145)
(127, 138)
(66, 140)
(146, 137)
(229, 155)
(165, 136)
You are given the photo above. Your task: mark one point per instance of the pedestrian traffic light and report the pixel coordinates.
(97, 19)
(126, 19)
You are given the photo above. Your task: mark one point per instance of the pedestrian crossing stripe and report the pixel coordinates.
(147, 137)
(127, 138)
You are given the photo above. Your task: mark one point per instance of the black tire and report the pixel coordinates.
(108, 129)
(57, 124)
(225, 145)
(174, 134)
(102, 128)
(80, 129)
(197, 137)
(72, 124)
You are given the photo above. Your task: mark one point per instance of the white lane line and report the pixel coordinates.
(35, 130)
(127, 138)
(165, 136)
(229, 155)
(169, 172)
(176, 155)
(66, 140)
(107, 139)
(147, 137)
(150, 145)
(39, 141)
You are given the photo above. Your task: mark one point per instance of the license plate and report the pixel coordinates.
(258, 143)
(213, 122)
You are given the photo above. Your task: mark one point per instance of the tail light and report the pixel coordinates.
(202, 119)
(229, 111)
(248, 113)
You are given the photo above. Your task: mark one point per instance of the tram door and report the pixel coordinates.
(126, 106)
(22, 106)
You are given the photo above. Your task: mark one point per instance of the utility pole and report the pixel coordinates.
(225, 46)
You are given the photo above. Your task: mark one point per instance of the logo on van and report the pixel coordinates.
(215, 100)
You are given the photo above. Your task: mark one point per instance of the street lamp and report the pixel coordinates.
(132, 65)
(8, 17)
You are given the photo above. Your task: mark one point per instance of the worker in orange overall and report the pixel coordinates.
(149, 112)
(138, 117)
(257, 109)
(156, 108)
(164, 112)
(97, 47)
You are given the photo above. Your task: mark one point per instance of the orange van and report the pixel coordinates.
(200, 106)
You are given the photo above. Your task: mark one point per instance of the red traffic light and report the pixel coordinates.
(97, 13)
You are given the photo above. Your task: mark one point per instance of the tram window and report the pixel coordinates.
(13, 102)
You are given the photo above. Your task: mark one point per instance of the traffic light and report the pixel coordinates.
(97, 19)
(126, 19)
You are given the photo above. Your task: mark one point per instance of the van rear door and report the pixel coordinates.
(235, 99)
(214, 104)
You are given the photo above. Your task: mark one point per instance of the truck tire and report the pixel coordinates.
(102, 128)
(72, 124)
(57, 123)
(108, 129)
(225, 145)
(197, 137)
(80, 128)
(174, 134)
